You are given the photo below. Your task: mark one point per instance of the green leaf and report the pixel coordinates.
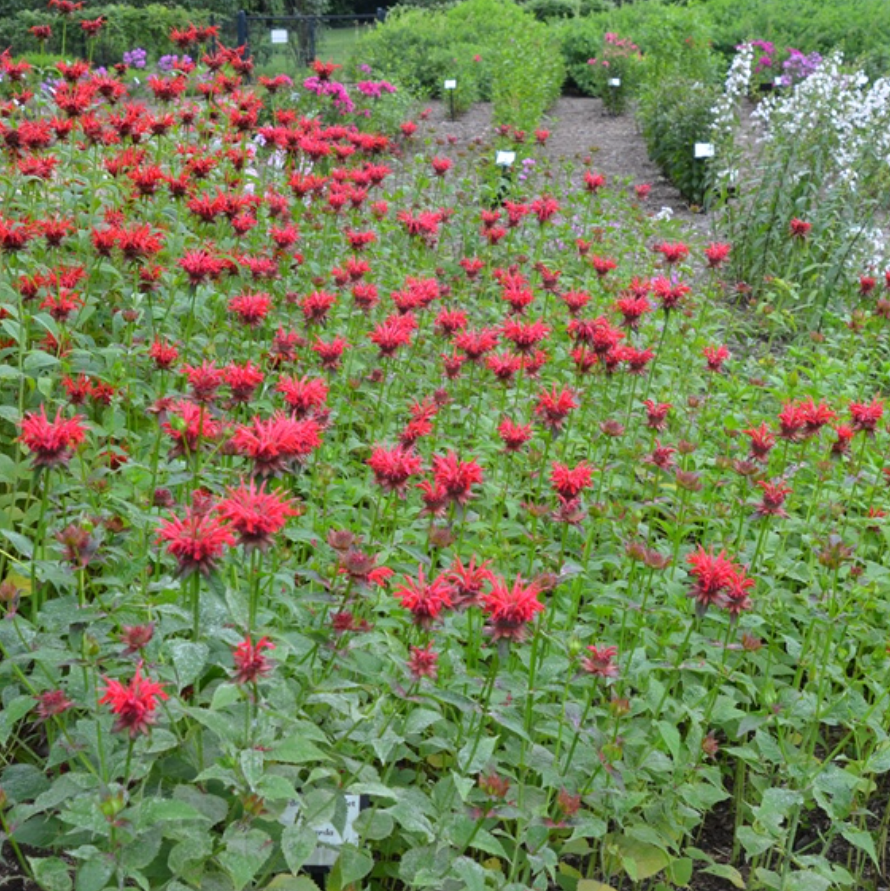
(37, 359)
(252, 766)
(725, 871)
(93, 875)
(351, 866)
(284, 882)
(245, 853)
(862, 839)
(21, 543)
(296, 750)
(476, 754)
(51, 873)
(671, 737)
(297, 845)
(593, 885)
(640, 860)
(161, 810)
(189, 660)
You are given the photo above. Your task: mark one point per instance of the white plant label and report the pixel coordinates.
(779, 82)
(614, 81)
(328, 837)
(278, 35)
(450, 84)
(505, 159)
(704, 150)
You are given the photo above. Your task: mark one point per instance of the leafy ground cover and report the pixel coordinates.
(338, 462)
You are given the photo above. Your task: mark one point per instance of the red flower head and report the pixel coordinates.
(545, 208)
(425, 600)
(593, 182)
(476, 343)
(250, 662)
(866, 415)
(136, 637)
(511, 609)
(467, 583)
(716, 254)
(718, 581)
(632, 308)
(441, 166)
(568, 482)
(51, 443)
(255, 514)
(304, 395)
(669, 294)
(841, 446)
(274, 445)
(243, 380)
(456, 477)
(197, 540)
(554, 406)
(204, 379)
(642, 191)
(774, 495)
(792, 421)
(514, 436)
(394, 467)
(867, 284)
(603, 265)
(715, 357)
(799, 229)
(423, 663)
(600, 663)
(251, 308)
(134, 704)
(815, 417)
(525, 337)
(762, 441)
(673, 252)
(52, 703)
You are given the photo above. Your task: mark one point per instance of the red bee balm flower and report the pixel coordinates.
(799, 228)
(569, 483)
(250, 663)
(196, 541)
(393, 468)
(554, 406)
(716, 254)
(51, 442)
(599, 663)
(423, 663)
(134, 704)
(424, 599)
(718, 581)
(511, 609)
(456, 477)
(256, 515)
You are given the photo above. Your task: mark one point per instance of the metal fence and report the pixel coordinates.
(284, 44)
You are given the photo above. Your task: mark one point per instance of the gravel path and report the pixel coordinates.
(580, 127)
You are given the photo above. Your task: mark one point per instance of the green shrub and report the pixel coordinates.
(479, 43)
(674, 115)
(126, 27)
(528, 77)
(548, 10)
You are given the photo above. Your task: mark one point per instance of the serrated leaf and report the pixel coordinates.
(291, 883)
(475, 755)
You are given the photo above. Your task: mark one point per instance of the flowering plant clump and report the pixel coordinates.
(527, 522)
